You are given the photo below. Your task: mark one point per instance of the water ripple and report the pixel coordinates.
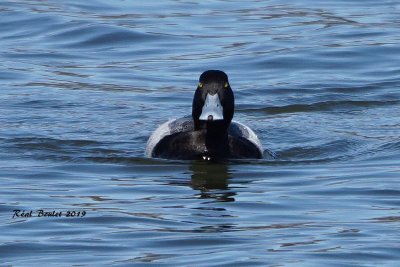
(336, 106)
(84, 83)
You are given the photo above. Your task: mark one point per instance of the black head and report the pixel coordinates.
(213, 101)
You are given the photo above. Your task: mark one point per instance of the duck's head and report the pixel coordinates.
(213, 101)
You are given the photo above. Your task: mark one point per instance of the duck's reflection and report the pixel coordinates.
(212, 180)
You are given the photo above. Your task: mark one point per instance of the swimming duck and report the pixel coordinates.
(209, 133)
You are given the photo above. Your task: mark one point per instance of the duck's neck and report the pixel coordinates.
(216, 139)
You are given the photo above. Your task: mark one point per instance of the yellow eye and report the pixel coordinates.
(200, 85)
(226, 85)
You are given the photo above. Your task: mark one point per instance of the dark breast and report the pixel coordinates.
(183, 145)
(243, 148)
(192, 145)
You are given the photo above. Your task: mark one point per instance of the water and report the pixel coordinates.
(83, 85)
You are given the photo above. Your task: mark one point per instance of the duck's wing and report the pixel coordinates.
(239, 130)
(184, 124)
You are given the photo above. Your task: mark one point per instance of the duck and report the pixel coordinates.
(210, 133)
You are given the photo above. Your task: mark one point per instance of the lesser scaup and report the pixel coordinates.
(210, 132)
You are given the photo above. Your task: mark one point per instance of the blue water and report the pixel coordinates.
(84, 83)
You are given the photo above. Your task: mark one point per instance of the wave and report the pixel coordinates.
(333, 105)
(86, 35)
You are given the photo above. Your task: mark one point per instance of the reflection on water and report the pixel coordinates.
(212, 180)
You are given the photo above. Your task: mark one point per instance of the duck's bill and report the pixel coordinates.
(212, 109)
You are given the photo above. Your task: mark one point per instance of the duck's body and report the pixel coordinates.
(177, 139)
(210, 132)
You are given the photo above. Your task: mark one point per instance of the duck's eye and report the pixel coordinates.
(200, 85)
(226, 85)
